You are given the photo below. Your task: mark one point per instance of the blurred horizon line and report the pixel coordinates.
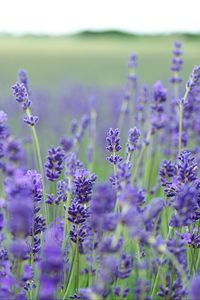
(107, 32)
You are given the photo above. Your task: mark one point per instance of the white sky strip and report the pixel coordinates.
(68, 16)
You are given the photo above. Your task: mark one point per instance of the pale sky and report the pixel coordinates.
(64, 16)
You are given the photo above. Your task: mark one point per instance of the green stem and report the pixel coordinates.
(176, 264)
(71, 277)
(139, 159)
(93, 115)
(77, 266)
(181, 119)
(126, 104)
(180, 127)
(124, 107)
(39, 159)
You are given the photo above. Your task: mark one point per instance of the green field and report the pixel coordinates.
(92, 60)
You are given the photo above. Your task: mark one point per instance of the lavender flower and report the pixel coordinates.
(122, 176)
(133, 137)
(36, 180)
(186, 206)
(132, 63)
(54, 165)
(187, 167)
(113, 145)
(167, 170)
(194, 289)
(32, 120)
(62, 188)
(23, 78)
(177, 248)
(125, 266)
(66, 144)
(21, 95)
(20, 203)
(121, 293)
(3, 117)
(194, 78)
(78, 234)
(51, 264)
(142, 289)
(77, 213)
(83, 184)
(159, 117)
(191, 238)
(177, 62)
(72, 164)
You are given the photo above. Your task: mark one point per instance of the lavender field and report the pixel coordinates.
(99, 164)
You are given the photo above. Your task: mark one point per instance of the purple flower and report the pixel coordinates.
(84, 123)
(191, 238)
(123, 175)
(153, 210)
(19, 249)
(121, 293)
(175, 176)
(132, 63)
(111, 245)
(66, 144)
(36, 180)
(77, 213)
(176, 63)
(39, 224)
(142, 289)
(133, 137)
(18, 190)
(167, 170)
(23, 78)
(113, 145)
(187, 167)
(1, 221)
(3, 117)
(32, 120)
(78, 234)
(27, 272)
(113, 140)
(13, 150)
(186, 206)
(177, 248)
(83, 184)
(125, 266)
(50, 199)
(132, 196)
(194, 289)
(51, 264)
(159, 95)
(194, 78)
(21, 95)
(103, 200)
(101, 207)
(159, 117)
(85, 120)
(54, 165)
(73, 127)
(72, 164)
(62, 188)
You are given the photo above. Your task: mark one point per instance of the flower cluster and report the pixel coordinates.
(54, 165)
(176, 63)
(159, 117)
(113, 145)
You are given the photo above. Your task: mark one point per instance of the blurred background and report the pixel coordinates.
(75, 50)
